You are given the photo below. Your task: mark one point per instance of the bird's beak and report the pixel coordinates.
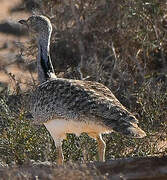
(24, 22)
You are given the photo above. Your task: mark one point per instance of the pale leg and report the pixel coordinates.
(101, 148)
(60, 157)
(58, 137)
(100, 145)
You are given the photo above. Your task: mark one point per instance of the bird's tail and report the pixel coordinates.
(134, 131)
(128, 126)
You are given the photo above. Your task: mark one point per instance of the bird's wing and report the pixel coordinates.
(72, 99)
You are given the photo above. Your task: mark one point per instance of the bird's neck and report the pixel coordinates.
(44, 64)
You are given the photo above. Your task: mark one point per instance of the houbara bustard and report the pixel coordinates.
(74, 106)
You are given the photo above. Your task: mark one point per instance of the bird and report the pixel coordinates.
(66, 106)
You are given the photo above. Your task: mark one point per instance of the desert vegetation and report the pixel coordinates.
(121, 44)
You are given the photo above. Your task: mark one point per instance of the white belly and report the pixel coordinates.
(59, 128)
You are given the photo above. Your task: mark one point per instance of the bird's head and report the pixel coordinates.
(37, 24)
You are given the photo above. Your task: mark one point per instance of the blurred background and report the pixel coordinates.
(10, 36)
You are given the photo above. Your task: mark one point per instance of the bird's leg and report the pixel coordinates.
(101, 148)
(60, 157)
(101, 145)
(58, 138)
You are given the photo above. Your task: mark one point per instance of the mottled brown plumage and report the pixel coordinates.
(75, 106)
(77, 100)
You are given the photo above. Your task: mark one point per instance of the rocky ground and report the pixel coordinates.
(123, 169)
